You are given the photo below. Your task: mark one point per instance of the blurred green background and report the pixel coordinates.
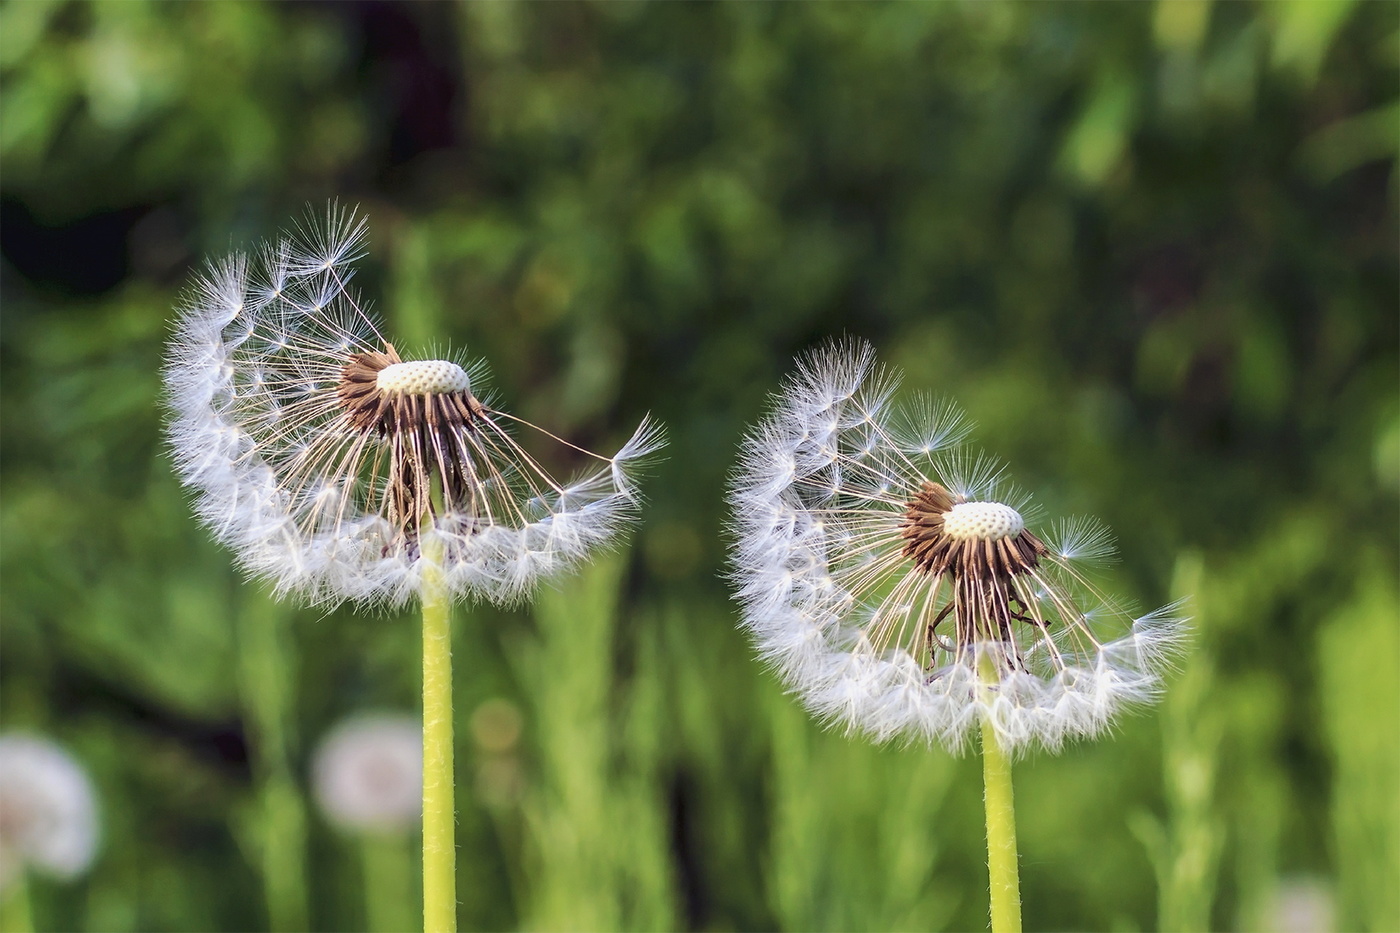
(1151, 247)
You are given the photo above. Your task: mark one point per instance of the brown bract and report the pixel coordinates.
(936, 552)
(431, 434)
(987, 594)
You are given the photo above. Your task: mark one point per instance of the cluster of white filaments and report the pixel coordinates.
(337, 470)
(895, 584)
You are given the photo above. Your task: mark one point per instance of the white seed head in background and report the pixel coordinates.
(894, 581)
(48, 812)
(368, 773)
(326, 461)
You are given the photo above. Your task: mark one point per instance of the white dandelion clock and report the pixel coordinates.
(368, 773)
(367, 777)
(902, 591)
(48, 812)
(336, 469)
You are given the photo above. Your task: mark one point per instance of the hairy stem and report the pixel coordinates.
(1002, 868)
(439, 815)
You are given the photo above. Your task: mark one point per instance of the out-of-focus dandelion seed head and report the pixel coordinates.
(894, 581)
(326, 460)
(48, 812)
(368, 773)
(1301, 905)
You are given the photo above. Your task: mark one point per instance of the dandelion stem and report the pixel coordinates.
(268, 675)
(1001, 825)
(15, 916)
(439, 815)
(388, 882)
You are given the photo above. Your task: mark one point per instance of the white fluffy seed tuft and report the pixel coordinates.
(982, 521)
(49, 811)
(368, 773)
(254, 377)
(820, 506)
(423, 377)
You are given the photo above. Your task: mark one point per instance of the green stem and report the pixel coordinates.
(14, 909)
(1001, 835)
(387, 883)
(439, 818)
(284, 841)
(1002, 869)
(268, 672)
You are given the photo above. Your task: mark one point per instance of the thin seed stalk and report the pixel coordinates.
(1002, 869)
(439, 816)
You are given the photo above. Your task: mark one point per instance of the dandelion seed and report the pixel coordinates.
(368, 773)
(899, 585)
(328, 461)
(48, 813)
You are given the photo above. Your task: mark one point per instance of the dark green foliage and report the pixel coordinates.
(1151, 247)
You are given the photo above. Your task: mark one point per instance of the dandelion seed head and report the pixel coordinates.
(48, 811)
(902, 587)
(326, 459)
(368, 773)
